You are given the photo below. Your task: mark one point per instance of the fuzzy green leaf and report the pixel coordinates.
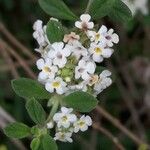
(120, 12)
(35, 144)
(100, 8)
(58, 9)
(17, 130)
(48, 143)
(80, 101)
(28, 88)
(36, 111)
(54, 31)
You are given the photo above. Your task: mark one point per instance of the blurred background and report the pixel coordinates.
(128, 99)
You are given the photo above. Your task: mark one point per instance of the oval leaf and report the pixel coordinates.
(120, 12)
(28, 88)
(58, 9)
(35, 144)
(48, 143)
(54, 31)
(36, 111)
(100, 8)
(17, 130)
(80, 101)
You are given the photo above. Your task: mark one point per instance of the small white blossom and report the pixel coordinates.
(82, 124)
(65, 117)
(71, 38)
(99, 52)
(78, 50)
(63, 136)
(48, 70)
(104, 36)
(103, 82)
(84, 69)
(85, 23)
(50, 125)
(57, 85)
(59, 53)
(40, 33)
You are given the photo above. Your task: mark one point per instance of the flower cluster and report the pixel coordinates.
(70, 65)
(68, 123)
(137, 5)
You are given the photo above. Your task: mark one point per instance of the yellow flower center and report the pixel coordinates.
(82, 123)
(47, 69)
(93, 80)
(64, 118)
(56, 84)
(98, 50)
(97, 36)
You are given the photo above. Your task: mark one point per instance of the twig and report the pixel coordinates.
(109, 135)
(116, 123)
(20, 60)
(88, 6)
(4, 68)
(9, 61)
(15, 42)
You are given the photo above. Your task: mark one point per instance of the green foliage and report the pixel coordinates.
(54, 31)
(48, 143)
(35, 144)
(80, 101)
(28, 88)
(17, 130)
(57, 8)
(100, 8)
(115, 9)
(36, 111)
(120, 12)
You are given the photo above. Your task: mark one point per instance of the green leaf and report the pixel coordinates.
(115, 9)
(35, 144)
(17, 130)
(54, 31)
(48, 143)
(36, 111)
(28, 88)
(100, 8)
(58, 9)
(80, 101)
(120, 12)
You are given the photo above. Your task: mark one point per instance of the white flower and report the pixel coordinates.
(82, 124)
(48, 70)
(103, 82)
(59, 53)
(85, 23)
(71, 38)
(63, 136)
(78, 50)
(57, 85)
(65, 117)
(99, 52)
(50, 125)
(104, 36)
(40, 33)
(84, 69)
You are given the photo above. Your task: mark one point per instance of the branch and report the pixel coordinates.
(116, 123)
(109, 135)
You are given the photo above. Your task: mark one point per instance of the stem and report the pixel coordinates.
(88, 6)
(54, 108)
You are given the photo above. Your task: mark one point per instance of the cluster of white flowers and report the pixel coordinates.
(68, 123)
(137, 5)
(70, 65)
